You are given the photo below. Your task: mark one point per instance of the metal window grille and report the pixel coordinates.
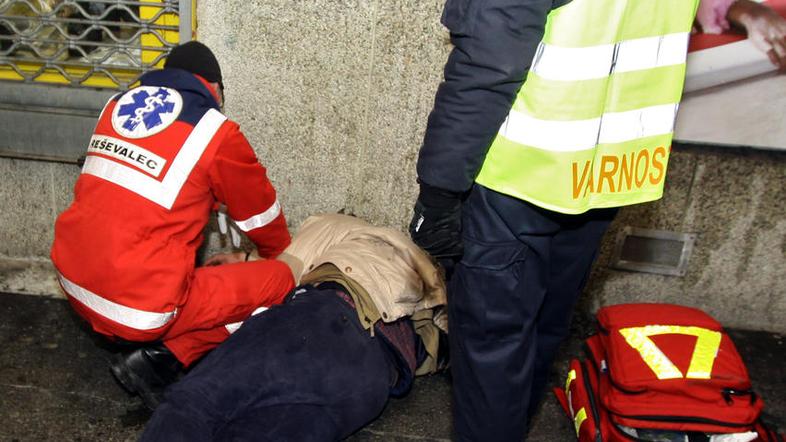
(98, 43)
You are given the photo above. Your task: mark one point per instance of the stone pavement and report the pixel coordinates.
(55, 384)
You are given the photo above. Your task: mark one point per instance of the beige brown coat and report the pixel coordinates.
(388, 275)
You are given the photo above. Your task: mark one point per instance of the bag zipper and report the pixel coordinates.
(729, 393)
(683, 419)
(598, 368)
(593, 404)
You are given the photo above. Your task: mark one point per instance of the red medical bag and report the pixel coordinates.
(660, 369)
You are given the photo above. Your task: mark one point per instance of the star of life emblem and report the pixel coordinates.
(145, 111)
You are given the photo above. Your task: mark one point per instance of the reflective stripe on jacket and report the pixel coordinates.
(592, 124)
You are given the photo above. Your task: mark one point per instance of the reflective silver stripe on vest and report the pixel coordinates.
(233, 327)
(164, 192)
(130, 317)
(575, 64)
(260, 219)
(575, 135)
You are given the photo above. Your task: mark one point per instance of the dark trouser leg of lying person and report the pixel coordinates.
(218, 295)
(303, 370)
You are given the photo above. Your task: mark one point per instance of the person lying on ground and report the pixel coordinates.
(366, 318)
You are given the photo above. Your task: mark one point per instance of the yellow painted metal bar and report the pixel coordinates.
(154, 39)
(193, 19)
(53, 76)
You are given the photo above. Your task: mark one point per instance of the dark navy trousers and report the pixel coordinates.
(304, 370)
(510, 304)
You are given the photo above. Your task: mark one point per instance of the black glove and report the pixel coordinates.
(436, 224)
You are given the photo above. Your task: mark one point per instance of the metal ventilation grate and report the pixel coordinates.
(100, 43)
(653, 251)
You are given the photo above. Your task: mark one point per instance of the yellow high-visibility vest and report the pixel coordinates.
(592, 124)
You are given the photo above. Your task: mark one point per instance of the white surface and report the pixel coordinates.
(725, 64)
(745, 113)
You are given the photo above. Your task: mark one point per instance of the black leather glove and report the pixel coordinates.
(436, 224)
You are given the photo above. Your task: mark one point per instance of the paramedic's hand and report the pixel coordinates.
(225, 258)
(766, 29)
(436, 224)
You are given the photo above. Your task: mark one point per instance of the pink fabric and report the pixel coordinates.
(712, 15)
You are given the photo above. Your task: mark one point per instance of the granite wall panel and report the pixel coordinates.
(732, 200)
(297, 78)
(410, 50)
(27, 215)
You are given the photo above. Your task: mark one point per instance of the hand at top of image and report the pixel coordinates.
(711, 16)
(765, 28)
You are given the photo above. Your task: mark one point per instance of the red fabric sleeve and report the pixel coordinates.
(240, 181)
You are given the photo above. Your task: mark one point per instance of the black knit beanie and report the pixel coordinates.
(196, 58)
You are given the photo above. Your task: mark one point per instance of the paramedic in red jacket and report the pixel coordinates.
(161, 157)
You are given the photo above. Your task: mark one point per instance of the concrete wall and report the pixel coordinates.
(33, 193)
(334, 96)
(733, 200)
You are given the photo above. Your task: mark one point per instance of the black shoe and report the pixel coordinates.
(146, 371)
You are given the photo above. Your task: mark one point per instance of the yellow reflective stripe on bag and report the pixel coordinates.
(581, 416)
(568, 381)
(702, 361)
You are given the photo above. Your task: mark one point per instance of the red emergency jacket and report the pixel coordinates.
(160, 158)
